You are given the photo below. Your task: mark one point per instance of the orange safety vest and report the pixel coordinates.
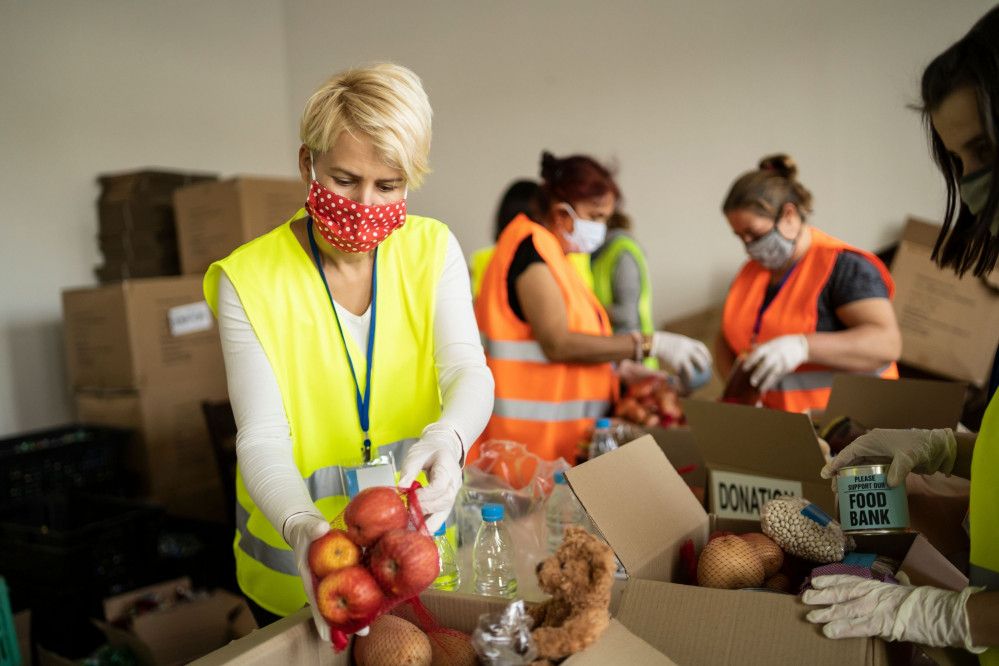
(793, 310)
(546, 406)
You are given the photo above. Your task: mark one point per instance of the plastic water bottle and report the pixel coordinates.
(602, 440)
(449, 577)
(493, 555)
(562, 510)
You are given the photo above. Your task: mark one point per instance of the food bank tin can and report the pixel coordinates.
(867, 504)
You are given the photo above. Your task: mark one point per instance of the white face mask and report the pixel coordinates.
(586, 235)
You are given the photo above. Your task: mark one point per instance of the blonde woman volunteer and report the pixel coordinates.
(348, 335)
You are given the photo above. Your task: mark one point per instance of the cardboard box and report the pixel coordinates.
(141, 333)
(213, 219)
(647, 517)
(179, 633)
(752, 454)
(293, 640)
(171, 451)
(937, 504)
(950, 326)
(138, 236)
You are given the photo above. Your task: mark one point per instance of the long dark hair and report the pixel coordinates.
(521, 197)
(965, 241)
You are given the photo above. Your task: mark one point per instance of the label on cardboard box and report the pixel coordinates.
(735, 495)
(190, 318)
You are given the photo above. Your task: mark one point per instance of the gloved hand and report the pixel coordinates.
(861, 607)
(921, 451)
(439, 452)
(681, 353)
(300, 531)
(632, 372)
(771, 361)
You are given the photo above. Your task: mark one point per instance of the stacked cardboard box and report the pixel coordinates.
(214, 218)
(144, 354)
(137, 232)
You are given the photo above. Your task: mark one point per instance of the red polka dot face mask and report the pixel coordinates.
(350, 226)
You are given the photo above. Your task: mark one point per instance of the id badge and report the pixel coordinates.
(378, 472)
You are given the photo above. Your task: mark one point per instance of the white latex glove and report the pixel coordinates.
(773, 360)
(861, 607)
(439, 452)
(681, 353)
(300, 531)
(921, 451)
(631, 372)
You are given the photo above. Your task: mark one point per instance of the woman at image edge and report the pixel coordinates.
(295, 304)
(960, 93)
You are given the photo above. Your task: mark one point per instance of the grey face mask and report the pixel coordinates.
(975, 192)
(771, 250)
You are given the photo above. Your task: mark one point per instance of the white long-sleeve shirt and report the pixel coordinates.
(263, 440)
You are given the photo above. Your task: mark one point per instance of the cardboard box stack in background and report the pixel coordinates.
(137, 234)
(949, 325)
(144, 354)
(215, 218)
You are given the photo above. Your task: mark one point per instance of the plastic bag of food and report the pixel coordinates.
(504, 638)
(804, 530)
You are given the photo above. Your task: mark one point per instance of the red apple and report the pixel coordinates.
(348, 595)
(373, 512)
(404, 562)
(332, 551)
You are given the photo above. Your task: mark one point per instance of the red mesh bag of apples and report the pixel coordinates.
(651, 402)
(377, 555)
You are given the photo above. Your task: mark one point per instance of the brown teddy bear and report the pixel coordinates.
(579, 576)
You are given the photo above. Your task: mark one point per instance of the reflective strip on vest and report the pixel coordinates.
(534, 410)
(325, 482)
(528, 351)
(816, 379)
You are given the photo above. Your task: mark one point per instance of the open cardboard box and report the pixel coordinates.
(753, 454)
(645, 511)
(937, 504)
(178, 634)
(293, 640)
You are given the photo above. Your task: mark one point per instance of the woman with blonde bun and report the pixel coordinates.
(805, 305)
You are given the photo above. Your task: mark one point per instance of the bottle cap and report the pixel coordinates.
(491, 512)
(559, 477)
(603, 423)
(440, 530)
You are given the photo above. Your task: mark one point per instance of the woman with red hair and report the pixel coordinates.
(547, 339)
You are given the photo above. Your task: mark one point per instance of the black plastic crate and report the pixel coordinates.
(93, 544)
(58, 460)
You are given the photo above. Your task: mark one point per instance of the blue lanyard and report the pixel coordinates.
(363, 403)
(766, 304)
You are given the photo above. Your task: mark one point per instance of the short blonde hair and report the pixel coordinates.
(386, 102)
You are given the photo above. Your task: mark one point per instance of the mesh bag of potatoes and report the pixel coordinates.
(804, 530)
(733, 562)
(410, 636)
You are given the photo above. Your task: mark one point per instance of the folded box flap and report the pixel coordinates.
(697, 625)
(768, 442)
(641, 506)
(617, 645)
(874, 402)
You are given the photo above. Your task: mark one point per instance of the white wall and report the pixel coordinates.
(683, 95)
(112, 85)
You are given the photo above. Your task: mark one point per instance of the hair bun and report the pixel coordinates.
(549, 166)
(781, 164)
